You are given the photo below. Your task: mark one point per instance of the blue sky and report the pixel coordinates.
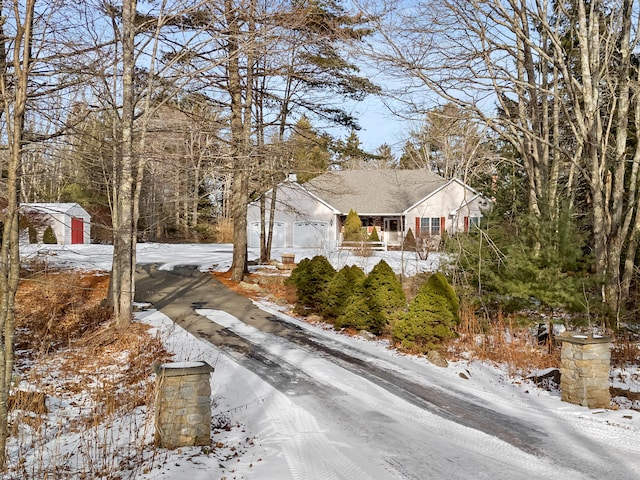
(379, 126)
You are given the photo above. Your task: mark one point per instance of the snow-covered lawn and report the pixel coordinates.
(213, 257)
(263, 433)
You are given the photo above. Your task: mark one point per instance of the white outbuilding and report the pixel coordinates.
(70, 222)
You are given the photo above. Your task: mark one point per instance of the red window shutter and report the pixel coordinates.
(442, 224)
(466, 224)
(417, 227)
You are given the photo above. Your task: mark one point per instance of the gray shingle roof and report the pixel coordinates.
(49, 207)
(374, 191)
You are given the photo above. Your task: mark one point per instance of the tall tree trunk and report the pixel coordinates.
(124, 243)
(272, 219)
(15, 103)
(263, 229)
(634, 213)
(622, 188)
(240, 123)
(613, 182)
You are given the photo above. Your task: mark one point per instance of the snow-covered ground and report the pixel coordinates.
(281, 435)
(212, 257)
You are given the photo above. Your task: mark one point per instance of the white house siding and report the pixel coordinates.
(61, 226)
(296, 209)
(453, 202)
(474, 209)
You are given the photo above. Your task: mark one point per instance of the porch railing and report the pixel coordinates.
(361, 245)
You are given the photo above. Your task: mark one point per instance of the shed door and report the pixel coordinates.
(77, 230)
(310, 234)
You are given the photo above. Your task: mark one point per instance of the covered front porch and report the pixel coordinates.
(390, 228)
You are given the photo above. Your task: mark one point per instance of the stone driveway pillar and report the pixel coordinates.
(183, 404)
(584, 370)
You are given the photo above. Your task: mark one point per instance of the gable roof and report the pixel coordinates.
(51, 208)
(374, 192)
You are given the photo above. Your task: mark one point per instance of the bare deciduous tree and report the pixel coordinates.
(135, 83)
(15, 69)
(559, 73)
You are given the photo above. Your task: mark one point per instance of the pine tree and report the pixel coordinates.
(352, 227)
(375, 303)
(384, 158)
(438, 285)
(384, 295)
(524, 268)
(374, 237)
(310, 151)
(350, 153)
(356, 314)
(298, 272)
(409, 242)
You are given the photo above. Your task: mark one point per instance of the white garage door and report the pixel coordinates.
(278, 235)
(310, 234)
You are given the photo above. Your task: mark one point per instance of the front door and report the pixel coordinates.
(391, 230)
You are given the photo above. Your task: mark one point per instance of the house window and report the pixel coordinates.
(471, 223)
(430, 226)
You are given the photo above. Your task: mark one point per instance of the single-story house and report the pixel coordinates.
(393, 201)
(70, 222)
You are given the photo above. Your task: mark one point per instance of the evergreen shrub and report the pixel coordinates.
(409, 242)
(431, 317)
(311, 277)
(49, 237)
(379, 300)
(356, 314)
(374, 237)
(384, 295)
(340, 289)
(525, 263)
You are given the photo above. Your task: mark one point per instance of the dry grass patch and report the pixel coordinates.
(77, 373)
(224, 231)
(67, 343)
(625, 351)
(111, 369)
(503, 342)
(55, 309)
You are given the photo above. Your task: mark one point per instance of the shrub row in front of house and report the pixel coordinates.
(376, 302)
